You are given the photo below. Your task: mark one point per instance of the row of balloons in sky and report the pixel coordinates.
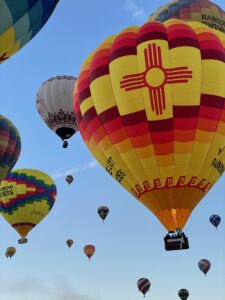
(144, 284)
(148, 103)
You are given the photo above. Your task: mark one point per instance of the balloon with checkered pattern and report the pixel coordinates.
(204, 11)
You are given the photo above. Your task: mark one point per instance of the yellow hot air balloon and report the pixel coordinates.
(204, 11)
(26, 197)
(150, 107)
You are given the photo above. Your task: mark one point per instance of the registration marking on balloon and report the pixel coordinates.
(155, 77)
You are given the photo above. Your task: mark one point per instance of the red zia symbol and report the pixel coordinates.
(155, 77)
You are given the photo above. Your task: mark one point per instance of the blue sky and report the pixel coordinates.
(129, 245)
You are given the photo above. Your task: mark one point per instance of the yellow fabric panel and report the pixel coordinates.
(6, 40)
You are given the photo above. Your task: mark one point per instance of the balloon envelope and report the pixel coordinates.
(69, 179)
(103, 212)
(89, 250)
(183, 294)
(215, 220)
(27, 196)
(20, 22)
(204, 11)
(10, 146)
(204, 265)
(143, 285)
(55, 105)
(150, 104)
(10, 251)
(69, 243)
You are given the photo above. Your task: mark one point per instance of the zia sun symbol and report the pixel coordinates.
(155, 77)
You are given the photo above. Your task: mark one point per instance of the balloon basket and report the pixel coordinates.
(176, 241)
(22, 241)
(65, 144)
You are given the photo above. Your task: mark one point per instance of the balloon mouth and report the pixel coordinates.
(176, 240)
(65, 132)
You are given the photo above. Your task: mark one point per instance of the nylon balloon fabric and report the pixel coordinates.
(26, 197)
(10, 146)
(150, 107)
(20, 21)
(55, 105)
(204, 11)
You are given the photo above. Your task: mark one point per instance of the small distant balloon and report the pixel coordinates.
(204, 265)
(89, 250)
(215, 220)
(10, 251)
(103, 212)
(143, 285)
(69, 243)
(183, 294)
(69, 179)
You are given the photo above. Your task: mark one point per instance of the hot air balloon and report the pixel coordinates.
(69, 179)
(103, 212)
(10, 251)
(215, 220)
(183, 294)
(69, 243)
(26, 197)
(55, 105)
(20, 23)
(10, 146)
(204, 265)
(89, 250)
(150, 104)
(203, 11)
(143, 285)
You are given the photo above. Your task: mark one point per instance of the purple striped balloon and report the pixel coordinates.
(204, 265)
(143, 285)
(10, 146)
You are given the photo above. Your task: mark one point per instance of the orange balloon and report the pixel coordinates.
(89, 250)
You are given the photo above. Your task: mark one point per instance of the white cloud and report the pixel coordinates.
(75, 170)
(34, 288)
(137, 12)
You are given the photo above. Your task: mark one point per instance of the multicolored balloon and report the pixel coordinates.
(204, 265)
(55, 105)
(20, 22)
(69, 179)
(26, 197)
(215, 220)
(204, 11)
(89, 250)
(10, 146)
(183, 294)
(10, 251)
(103, 212)
(143, 285)
(69, 243)
(149, 104)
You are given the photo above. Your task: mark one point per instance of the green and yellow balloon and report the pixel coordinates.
(20, 21)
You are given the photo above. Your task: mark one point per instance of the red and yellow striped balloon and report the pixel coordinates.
(150, 106)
